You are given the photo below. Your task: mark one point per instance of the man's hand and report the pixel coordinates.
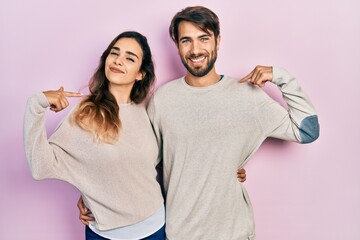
(57, 98)
(241, 175)
(259, 76)
(84, 212)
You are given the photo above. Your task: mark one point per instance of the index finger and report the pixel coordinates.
(72, 94)
(247, 77)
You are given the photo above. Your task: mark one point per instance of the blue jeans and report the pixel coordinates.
(159, 235)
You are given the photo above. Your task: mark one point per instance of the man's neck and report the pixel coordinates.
(209, 79)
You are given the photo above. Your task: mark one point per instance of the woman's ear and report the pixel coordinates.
(140, 76)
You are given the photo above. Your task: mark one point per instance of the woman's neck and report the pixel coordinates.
(121, 94)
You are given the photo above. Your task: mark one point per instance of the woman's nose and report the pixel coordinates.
(118, 61)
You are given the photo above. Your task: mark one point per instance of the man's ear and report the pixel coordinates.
(178, 49)
(218, 39)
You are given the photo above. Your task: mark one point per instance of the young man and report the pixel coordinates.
(208, 125)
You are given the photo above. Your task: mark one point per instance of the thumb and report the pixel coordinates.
(61, 89)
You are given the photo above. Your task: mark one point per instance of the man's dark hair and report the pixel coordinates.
(203, 17)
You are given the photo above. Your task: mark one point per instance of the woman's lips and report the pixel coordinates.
(115, 70)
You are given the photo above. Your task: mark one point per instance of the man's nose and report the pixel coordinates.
(195, 47)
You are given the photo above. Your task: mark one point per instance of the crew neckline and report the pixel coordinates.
(126, 104)
(219, 83)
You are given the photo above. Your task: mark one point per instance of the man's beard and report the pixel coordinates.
(197, 72)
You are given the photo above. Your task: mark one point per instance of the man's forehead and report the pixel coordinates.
(189, 29)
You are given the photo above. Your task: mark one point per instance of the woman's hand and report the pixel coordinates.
(57, 98)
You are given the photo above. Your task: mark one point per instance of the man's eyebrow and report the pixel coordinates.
(201, 36)
(184, 38)
(127, 52)
(205, 35)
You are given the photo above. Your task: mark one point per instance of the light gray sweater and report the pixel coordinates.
(117, 181)
(206, 134)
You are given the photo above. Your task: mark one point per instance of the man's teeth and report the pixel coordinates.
(197, 59)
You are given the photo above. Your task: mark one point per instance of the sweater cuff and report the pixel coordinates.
(280, 76)
(40, 98)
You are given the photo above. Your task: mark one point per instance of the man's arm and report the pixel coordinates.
(300, 122)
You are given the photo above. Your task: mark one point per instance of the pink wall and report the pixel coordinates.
(298, 191)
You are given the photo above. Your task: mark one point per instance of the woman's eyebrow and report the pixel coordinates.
(127, 52)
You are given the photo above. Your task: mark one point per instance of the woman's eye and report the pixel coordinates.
(131, 60)
(114, 53)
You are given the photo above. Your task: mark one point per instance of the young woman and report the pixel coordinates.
(105, 146)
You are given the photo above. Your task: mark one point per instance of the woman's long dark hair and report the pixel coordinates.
(99, 112)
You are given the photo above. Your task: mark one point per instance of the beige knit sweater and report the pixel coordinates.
(206, 134)
(117, 181)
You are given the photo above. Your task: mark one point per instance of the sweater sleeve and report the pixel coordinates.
(151, 111)
(299, 123)
(39, 152)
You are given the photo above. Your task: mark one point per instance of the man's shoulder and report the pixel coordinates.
(232, 82)
(168, 87)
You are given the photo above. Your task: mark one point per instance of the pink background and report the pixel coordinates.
(298, 191)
